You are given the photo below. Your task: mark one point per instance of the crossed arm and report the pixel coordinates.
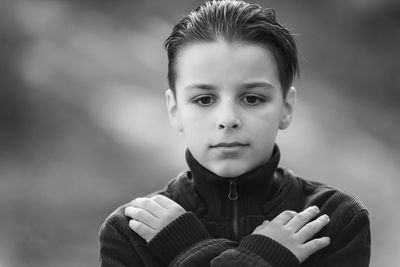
(290, 229)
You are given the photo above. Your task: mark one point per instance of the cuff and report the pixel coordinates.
(178, 236)
(270, 250)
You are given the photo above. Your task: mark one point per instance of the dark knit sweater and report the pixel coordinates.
(222, 213)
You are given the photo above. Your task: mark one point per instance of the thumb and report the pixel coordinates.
(165, 202)
(261, 226)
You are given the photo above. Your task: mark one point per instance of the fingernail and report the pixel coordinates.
(325, 217)
(314, 208)
(126, 210)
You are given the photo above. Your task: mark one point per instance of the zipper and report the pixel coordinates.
(233, 196)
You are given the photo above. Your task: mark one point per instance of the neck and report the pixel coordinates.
(250, 190)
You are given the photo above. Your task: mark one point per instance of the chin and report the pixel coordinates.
(229, 172)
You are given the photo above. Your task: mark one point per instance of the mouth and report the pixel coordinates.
(227, 145)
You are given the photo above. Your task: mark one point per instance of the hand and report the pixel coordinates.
(150, 215)
(294, 231)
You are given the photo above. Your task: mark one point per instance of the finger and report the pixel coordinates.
(311, 228)
(149, 205)
(165, 201)
(261, 226)
(314, 245)
(302, 218)
(266, 222)
(142, 229)
(143, 216)
(284, 217)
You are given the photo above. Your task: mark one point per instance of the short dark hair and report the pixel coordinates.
(232, 21)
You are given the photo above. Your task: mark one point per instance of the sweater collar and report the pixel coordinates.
(253, 188)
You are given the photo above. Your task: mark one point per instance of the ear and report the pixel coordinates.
(288, 107)
(173, 113)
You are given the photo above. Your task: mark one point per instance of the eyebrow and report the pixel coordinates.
(244, 86)
(200, 86)
(252, 85)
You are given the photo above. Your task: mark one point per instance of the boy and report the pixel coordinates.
(230, 71)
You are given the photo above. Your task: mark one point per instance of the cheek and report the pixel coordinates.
(266, 120)
(263, 129)
(264, 135)
(194, 119)
(193, 126)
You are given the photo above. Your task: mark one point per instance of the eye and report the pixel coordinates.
(253, 100)
(204, 100)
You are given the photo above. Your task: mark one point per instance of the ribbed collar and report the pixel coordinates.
(254, 188)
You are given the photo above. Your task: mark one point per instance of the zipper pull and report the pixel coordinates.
(232, 191)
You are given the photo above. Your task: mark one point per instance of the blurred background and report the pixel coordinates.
(83, 126)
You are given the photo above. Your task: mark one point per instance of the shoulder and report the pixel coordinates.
(181, 190)
(349, 218)
(117, 218)
(349, 226)
(116, 225)
(117, 222)
(348, 215)
(332, 201)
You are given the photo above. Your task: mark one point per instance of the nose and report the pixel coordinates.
(228, 117)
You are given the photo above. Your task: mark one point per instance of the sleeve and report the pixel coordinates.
(351, 245)
(186, 242)
(115, 250)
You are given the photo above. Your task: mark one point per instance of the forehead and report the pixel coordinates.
(225, 64)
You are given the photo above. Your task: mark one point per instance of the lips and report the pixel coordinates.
(230, 144)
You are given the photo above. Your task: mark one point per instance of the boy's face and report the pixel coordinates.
(229, 105)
